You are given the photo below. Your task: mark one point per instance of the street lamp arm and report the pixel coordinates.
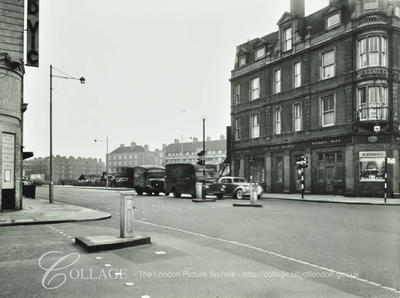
(82, 79)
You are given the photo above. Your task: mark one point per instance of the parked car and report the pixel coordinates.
(237, 187)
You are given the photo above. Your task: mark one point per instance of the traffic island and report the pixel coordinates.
(203, 200)
(126, 238)
(247, 205)
(98, 243)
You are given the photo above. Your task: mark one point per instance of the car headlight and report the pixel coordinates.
(223, 186)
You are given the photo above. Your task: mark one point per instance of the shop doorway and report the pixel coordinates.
(277, 173)
(330, 173)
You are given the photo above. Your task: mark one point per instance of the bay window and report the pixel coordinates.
(372, 102)
(372, 51)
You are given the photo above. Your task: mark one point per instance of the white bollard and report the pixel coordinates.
(253, 193)
(128, 205)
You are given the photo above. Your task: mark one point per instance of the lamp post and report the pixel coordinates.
(67, 77)
(204, 165)
(106, 141)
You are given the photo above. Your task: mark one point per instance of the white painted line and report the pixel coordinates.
(129, 283)
(99, 258)
(107, 265)
(274, 254)
(160, 252)
(69, 236)
(146, 296)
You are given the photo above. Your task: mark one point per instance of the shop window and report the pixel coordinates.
(328, 64)
(373, 103)
(279, 169)
(372, 51)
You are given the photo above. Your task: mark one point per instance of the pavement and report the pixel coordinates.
(331, 199)
(39, 211)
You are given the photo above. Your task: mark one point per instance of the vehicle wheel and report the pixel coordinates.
(193, 195)
(139, 192)
(156, 193)
(167, 194)
(239, 194)
(177, 195)
(220, 196)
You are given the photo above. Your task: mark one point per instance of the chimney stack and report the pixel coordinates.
(297, 7)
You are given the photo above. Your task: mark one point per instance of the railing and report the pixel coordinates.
(380, 113)
(372, 17)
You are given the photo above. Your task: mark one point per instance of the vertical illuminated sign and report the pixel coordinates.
(32, 43)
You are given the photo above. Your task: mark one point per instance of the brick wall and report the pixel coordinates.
(12, 28)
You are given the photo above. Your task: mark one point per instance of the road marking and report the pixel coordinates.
(274, 254)
(99, 258)
(129, 283)
(107, 265)
(160, 252)
(146, 296)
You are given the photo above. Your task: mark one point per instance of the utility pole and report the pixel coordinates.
(203, 193)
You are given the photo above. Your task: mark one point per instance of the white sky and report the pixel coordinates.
(153, 69)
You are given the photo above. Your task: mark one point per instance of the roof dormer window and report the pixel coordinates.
(260, 53)
(242, 61)
(333, 21)
(370, 4)
(287, 39)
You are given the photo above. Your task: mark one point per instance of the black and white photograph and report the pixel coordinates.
(185, 148)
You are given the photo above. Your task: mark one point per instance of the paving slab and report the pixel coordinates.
(39, 211)
(331, 199)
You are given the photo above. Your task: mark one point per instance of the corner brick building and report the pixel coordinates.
(11, 102)
(324, 85)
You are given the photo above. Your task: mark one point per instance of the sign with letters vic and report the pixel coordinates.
(32, 43)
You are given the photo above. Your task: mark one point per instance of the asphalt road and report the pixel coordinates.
(285, 249)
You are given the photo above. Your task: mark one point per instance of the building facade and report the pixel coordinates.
(131, 156)
(66, 169)
(11, 102)
(327, 86)
(186, 152)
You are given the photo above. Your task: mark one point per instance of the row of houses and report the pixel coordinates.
(70, 168)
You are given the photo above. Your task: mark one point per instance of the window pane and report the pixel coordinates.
(333, 20)
(328, 58)
(260, 53)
